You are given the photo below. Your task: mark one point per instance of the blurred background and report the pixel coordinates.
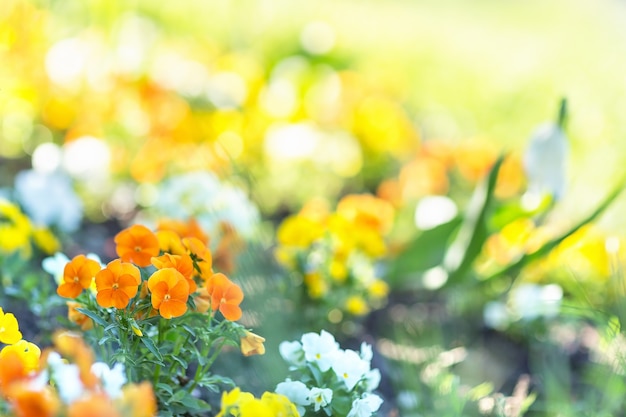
(339, 93)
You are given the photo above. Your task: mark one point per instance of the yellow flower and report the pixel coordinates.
(280, 405)
(338, 269)
(356, 305)
(231, 400)
(46, 241)
(28, 352)
(299, 231)
(252, 344)
(15, 229)
(9, 328)
(315, 284)
(243, 404)
(378, 289)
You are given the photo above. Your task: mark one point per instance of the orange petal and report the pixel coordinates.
(172, 308)
(69, 290)
(230, 311)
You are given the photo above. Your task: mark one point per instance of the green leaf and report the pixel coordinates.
(152, 348)
(469, 241)
(164, 387)
(93, 316)
(516, 267)
(424, 252)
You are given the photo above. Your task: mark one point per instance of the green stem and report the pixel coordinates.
(157, 371)
(203, 369)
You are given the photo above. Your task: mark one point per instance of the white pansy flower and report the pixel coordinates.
(297, 392)
(292, 352)
(112, 379)
(349, 367)
(67, 378)
(203, 196)
(545, 159)
(365, 406)
(320, 397)
(49, 199)
(366, 352)
(372, 379)
(320, 349)
(54, 265)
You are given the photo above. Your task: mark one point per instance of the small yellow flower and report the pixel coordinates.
(46, 241)
(356, 305)
(315, 284)
(15, 229)
(9, 328)
(252, 344)
(378, 289)
(338, 270)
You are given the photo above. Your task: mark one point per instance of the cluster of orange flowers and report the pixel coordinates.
(179, 266)
(30, 386)
(438, 166)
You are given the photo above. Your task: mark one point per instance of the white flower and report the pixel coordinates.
(202, 195)
(372, 379)
(297, 393)
(544, 160)
(292, 352)
(49, 199)
(54, 265)
(365, 406)
(496, 315)
(66, 377)
(366, 352)
(531, 300)
(349, 367)
(320, 397)
(433, 211)
(112, 379)
(320, 349)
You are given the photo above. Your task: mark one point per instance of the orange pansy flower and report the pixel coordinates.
(28, 402)
(95, 405)
(225, 296)
(181, 263)
(77, 276)
(117, 284)
(170, 242)
(201, 254)
(12, 369)
(170, 292)
(190, 228)
(77, 317)
(139, 400)
(137, 244)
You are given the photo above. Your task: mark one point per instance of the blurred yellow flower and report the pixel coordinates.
(299, 231)
(28, 352)
(316, 286)
(15, 229)
(46, 241)
(356, 305)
